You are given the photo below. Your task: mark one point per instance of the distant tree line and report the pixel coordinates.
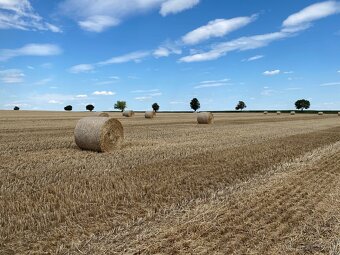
(300, 104)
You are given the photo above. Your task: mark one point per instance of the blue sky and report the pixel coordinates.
(266, 53)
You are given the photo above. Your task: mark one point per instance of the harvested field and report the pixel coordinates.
(248, 184)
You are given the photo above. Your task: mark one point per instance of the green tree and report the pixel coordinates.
(68, 108)
(155, 107)
(195, 104)
(240, 106)
(302, 104)
(120, 105)
(90, 107)
(16, 108)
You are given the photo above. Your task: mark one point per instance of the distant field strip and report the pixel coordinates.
(173, 188)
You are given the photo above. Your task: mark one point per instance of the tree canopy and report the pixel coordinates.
(240, 106)
(120, 105)
(155, 107)
(195, 104)
(302, 104)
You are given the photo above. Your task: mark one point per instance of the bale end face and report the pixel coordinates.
(99, 134)
(205, 118)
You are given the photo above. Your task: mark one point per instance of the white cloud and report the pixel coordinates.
(143, 98)
(293, 25)
(43, 81)
(30, 67)
(103, 93)
(267, 92)
(99, 15)
(82, 68)
(136, 56)
(30, 50)
(240, 44)
(11, 76)
(216, 28)
(254, 58)
(312, 13)
(339, 71)
(19, 14)
(175, 6)
(98, 23)
(330, 84)
(81, 96)
(271, 73)
(210, 85)
(288, 72)
(145, 91)
(52, 101)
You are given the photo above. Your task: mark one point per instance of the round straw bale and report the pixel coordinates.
(278, 113)
(101, 114)
(320, 113)
(128, 113)
(99, 134)
(338, 113)
(149, 115)
(292, 113)
(265, 112)
(205, 118)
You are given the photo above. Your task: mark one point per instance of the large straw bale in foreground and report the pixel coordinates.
(128, 113)
(99, 134)
(205, 118)
(149, 115)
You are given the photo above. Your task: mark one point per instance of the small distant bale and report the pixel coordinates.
(292, 113)
(205, 118)
(338, 113)
(265, 112)
(100, 114)
(149, 115)
(278, 113)
(320, 113)
(128, 113)
(99, 134)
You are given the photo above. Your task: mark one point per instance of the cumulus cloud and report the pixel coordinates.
(82, 68)
(175, 6)
(103, 93)
(272, 73)
(30, 50)
(11, 76)
(19, 14)
(81, 96)
(216, 28)
(339, 71)
(99, 15)
(312, 13)
(98, 23)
